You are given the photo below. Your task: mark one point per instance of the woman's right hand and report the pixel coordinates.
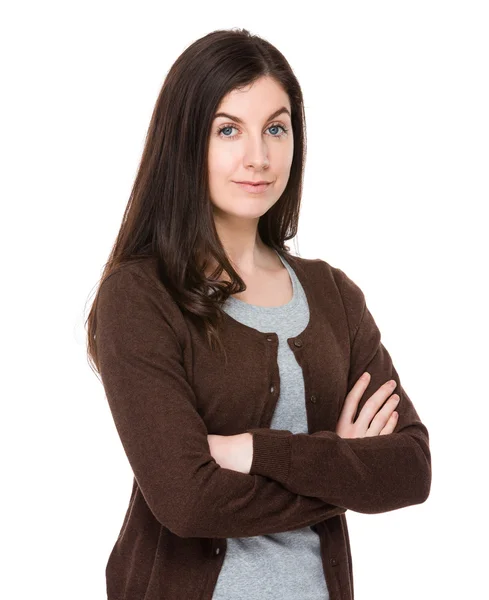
(371, 421)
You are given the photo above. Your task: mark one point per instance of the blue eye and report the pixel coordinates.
(274, 126)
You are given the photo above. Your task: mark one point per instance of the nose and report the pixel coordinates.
(256, 153)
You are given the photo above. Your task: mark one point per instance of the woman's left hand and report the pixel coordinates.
(233, 452)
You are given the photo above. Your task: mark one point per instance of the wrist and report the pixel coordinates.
(242, 451)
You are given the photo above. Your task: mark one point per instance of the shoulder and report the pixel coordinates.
(142, 271)
(138, 284)
(334, 280)
(325, 271)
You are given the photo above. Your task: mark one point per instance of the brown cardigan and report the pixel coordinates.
(167, 391)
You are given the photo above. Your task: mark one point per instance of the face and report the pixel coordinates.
(251, 143)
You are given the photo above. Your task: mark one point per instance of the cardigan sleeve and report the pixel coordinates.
(367, 475)
(140, 357)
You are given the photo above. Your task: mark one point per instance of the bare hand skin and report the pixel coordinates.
(384, 421)
(233, 452)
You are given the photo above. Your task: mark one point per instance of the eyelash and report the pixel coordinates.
(283, 134)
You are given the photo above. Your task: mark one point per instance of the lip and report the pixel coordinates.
(253, 182)
(253, 189)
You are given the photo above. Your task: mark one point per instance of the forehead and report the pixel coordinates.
(264, 99)
(280, 111)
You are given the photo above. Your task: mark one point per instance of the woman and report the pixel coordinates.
(232, 368)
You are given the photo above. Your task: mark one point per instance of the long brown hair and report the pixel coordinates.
(169, 213)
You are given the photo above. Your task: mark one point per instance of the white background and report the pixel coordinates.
(396, 189)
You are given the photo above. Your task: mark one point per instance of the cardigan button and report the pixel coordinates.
(270, 338)
(217, 550)
(298, 343)
(333, 561)
(272, 388)
(313, 398)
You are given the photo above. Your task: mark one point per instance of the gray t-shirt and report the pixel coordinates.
(283, 565)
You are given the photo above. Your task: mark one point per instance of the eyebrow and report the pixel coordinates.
(238, 120)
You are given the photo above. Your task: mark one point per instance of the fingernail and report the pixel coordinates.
(366, 375)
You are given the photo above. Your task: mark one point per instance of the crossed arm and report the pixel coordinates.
(364, 473)
(235, 452)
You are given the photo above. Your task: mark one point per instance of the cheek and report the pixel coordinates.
(222, 162)
(225, 160)
(289, 154)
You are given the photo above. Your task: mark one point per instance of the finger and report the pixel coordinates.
(373, 405)
(384, 415)
(353, 398)
(391, 424)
